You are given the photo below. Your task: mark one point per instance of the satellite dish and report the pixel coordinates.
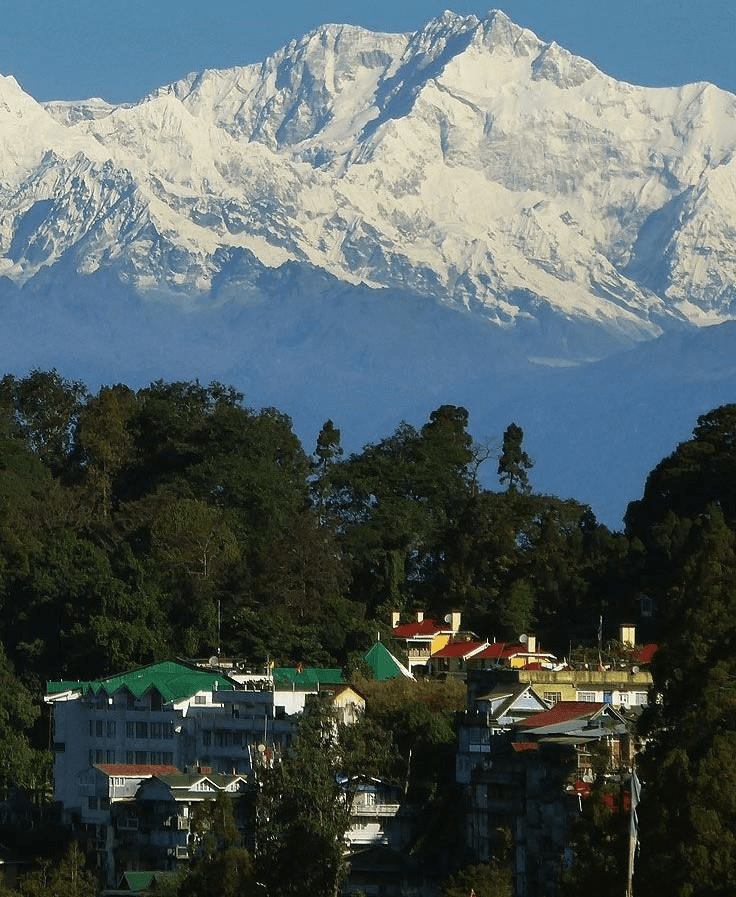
(212, 661)
(635, 670)
(523, 638)
(261, 748)
(448, 618)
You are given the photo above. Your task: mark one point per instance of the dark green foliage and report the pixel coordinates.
(514, 462)
(21, 765)
(685, 526)
(220, 864)
(46, 409)
(482, 880)
(303, 814)
(688, 810)
(69, 878)
(600, 838)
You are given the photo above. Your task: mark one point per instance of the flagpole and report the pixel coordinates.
(633, 831)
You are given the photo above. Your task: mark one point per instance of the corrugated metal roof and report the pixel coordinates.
(563, 711)
(427, 627)
(384, 664)
(306, 677)
(174, 680)
(137, 770)
(459, 649)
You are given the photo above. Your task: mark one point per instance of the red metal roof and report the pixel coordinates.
(560, 713)
(137, 770)
(458, 649)
(500, 650)
(411, 630)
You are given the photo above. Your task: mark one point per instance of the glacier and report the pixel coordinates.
(366, 225)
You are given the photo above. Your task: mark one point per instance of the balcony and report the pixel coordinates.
(375, 810)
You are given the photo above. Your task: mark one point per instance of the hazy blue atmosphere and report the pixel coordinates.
(84, 48)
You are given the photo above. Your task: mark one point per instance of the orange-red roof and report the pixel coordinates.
(137, 770)
(428, 627)
(504, 651)
(458, 649)
(560, 713)
(499, 650)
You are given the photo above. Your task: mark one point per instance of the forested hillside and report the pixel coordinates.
(178, 521)
(129, 519)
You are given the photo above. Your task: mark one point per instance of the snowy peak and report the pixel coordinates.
(469, 163)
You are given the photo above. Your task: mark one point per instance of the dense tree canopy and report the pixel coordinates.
(176, 520)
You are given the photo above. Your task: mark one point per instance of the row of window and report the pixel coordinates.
(227, 738)
(140, 757)
(121, 701)
(108, 729)
(624, 697)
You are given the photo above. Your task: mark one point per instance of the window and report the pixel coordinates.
(129, 757)
(168, 758)
(586, 696)
(206, 738)
(200, 699)
(109, 756)
(99, 756)
(98, 728)
(130, 730)
(223, 738)
(141, 757)
(141, 730)
(553, 696)
(624, 697)
(168, 730)
(92, 803)
(111, 729)
(156, 757)
(156, 730)
(641, 697)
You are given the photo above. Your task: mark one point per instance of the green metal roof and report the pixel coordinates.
(173, 680)
(137, 881)
(306, 677)
(57, 688)
(141, 882)
(383, 663)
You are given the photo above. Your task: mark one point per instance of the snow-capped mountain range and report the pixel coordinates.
(367, 223)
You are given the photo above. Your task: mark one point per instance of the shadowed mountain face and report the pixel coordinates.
(366, 226)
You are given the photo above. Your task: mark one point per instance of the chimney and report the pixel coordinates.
(455, 618)
(627, 634)
(420, 616)
(395, 617)
(531, 644)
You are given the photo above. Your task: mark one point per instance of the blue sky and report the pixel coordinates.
(71, 49)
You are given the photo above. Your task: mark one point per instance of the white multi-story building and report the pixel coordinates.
(113, 735)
